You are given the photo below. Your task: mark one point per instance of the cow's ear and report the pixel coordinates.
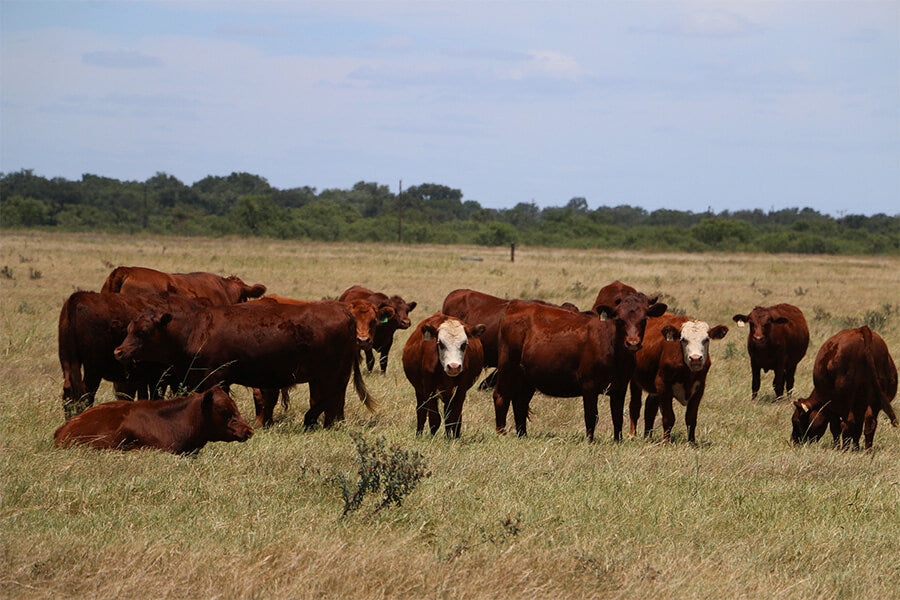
(478, 331)
(411, 305)
(718, 332)
(255, 291)
(653, 300)
(385, 313)
(207, 400)
(428, 331)
(605, 312)
(741, 320)
(671, 333)
(799, 404)
(657, 310)
(780, 320)
(165, 319)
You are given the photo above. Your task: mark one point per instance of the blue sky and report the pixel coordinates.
(682, 105)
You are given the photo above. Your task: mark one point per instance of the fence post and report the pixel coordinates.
(512, 252)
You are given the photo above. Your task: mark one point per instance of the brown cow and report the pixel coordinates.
(91, 326)
(179, 425)
(673, 362)
(218, 290)
(777, 341)
(566, 354)
(613, 293)
(474, 308)
(265, 345)
(384, 333)
(442, 357)
(854, 378)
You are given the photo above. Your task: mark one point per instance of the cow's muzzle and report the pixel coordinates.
(453, 369)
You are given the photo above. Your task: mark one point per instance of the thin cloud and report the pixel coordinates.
(705, 23)
(121, 59)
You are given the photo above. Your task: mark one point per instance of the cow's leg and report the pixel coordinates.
(503, 394)
(453, 412)
(854, 429)
(778, 382)
(520, 404)
(871, 422)
(789, 373)
(383, 359)
(434, 413)
(590, 414)
(650, 408)
(668, 415)
(834, 425)
(634, 407)
(690, 416)
(421, 409)
(755, 379)
(370, 359)
(125, 391)
(617, 408)
(264, 401)
(91, 384)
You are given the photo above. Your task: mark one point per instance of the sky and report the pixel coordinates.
(686, 105)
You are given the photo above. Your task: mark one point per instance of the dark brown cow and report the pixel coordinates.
(384, 333)
(672, 363)
(218, 290)
(854, 378)
(264, 345)
(179, 425)
(613, 293)
(777, 341)
(442, 357)
(91, 326)
(474, 308)
(566, 354)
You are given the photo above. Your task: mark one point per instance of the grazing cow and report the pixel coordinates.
(777, 341)
(566, 354)
(384, 332)
(613, 293)
(443, 356)
(218, 290)
(673, 362)
(264, 345)
(474, 308)
(91, 326)
(854, 378)
(179, 425)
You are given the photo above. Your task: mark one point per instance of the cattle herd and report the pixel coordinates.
(197, 334)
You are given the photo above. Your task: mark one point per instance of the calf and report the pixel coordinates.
(777, 341)
(91, 326)
(474, 308)
(854, 378)
(384, 332)
(179, 425)
(214, 288)
(566, 354)
(442, 357)
(673, 362)
(264, 345)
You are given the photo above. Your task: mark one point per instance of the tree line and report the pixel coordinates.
(246, 204)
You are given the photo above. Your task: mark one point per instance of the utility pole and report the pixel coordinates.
(400, 216)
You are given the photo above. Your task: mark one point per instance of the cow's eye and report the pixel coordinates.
(463, 345)
(440, 344)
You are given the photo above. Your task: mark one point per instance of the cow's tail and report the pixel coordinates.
(113, 283)
(69, 360)
(879, 391)
(359, 383)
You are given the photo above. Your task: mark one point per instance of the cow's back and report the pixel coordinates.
(97, 427)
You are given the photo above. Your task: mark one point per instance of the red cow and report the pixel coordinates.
(384, 333)
(777, 341)
(566, 354)
(91, 326)
(265, 345)
(673, 362)
(475, 308)
(442, 357)
(218, 290)
(854, 378)
(613, 293)
(179, 425)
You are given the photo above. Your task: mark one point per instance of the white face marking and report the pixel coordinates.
(451, 343)
(695, 343)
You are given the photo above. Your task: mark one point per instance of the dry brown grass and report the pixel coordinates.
(742, 515)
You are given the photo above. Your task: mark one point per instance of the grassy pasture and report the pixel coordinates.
(742, 515)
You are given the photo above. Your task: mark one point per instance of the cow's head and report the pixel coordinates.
(221, 418)
(400, 320)
(146, 339)
(243, 292)
(809, 421)
(694, 337)
(761, 321)
(630, 316)
(452, 338)
(367, 318)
